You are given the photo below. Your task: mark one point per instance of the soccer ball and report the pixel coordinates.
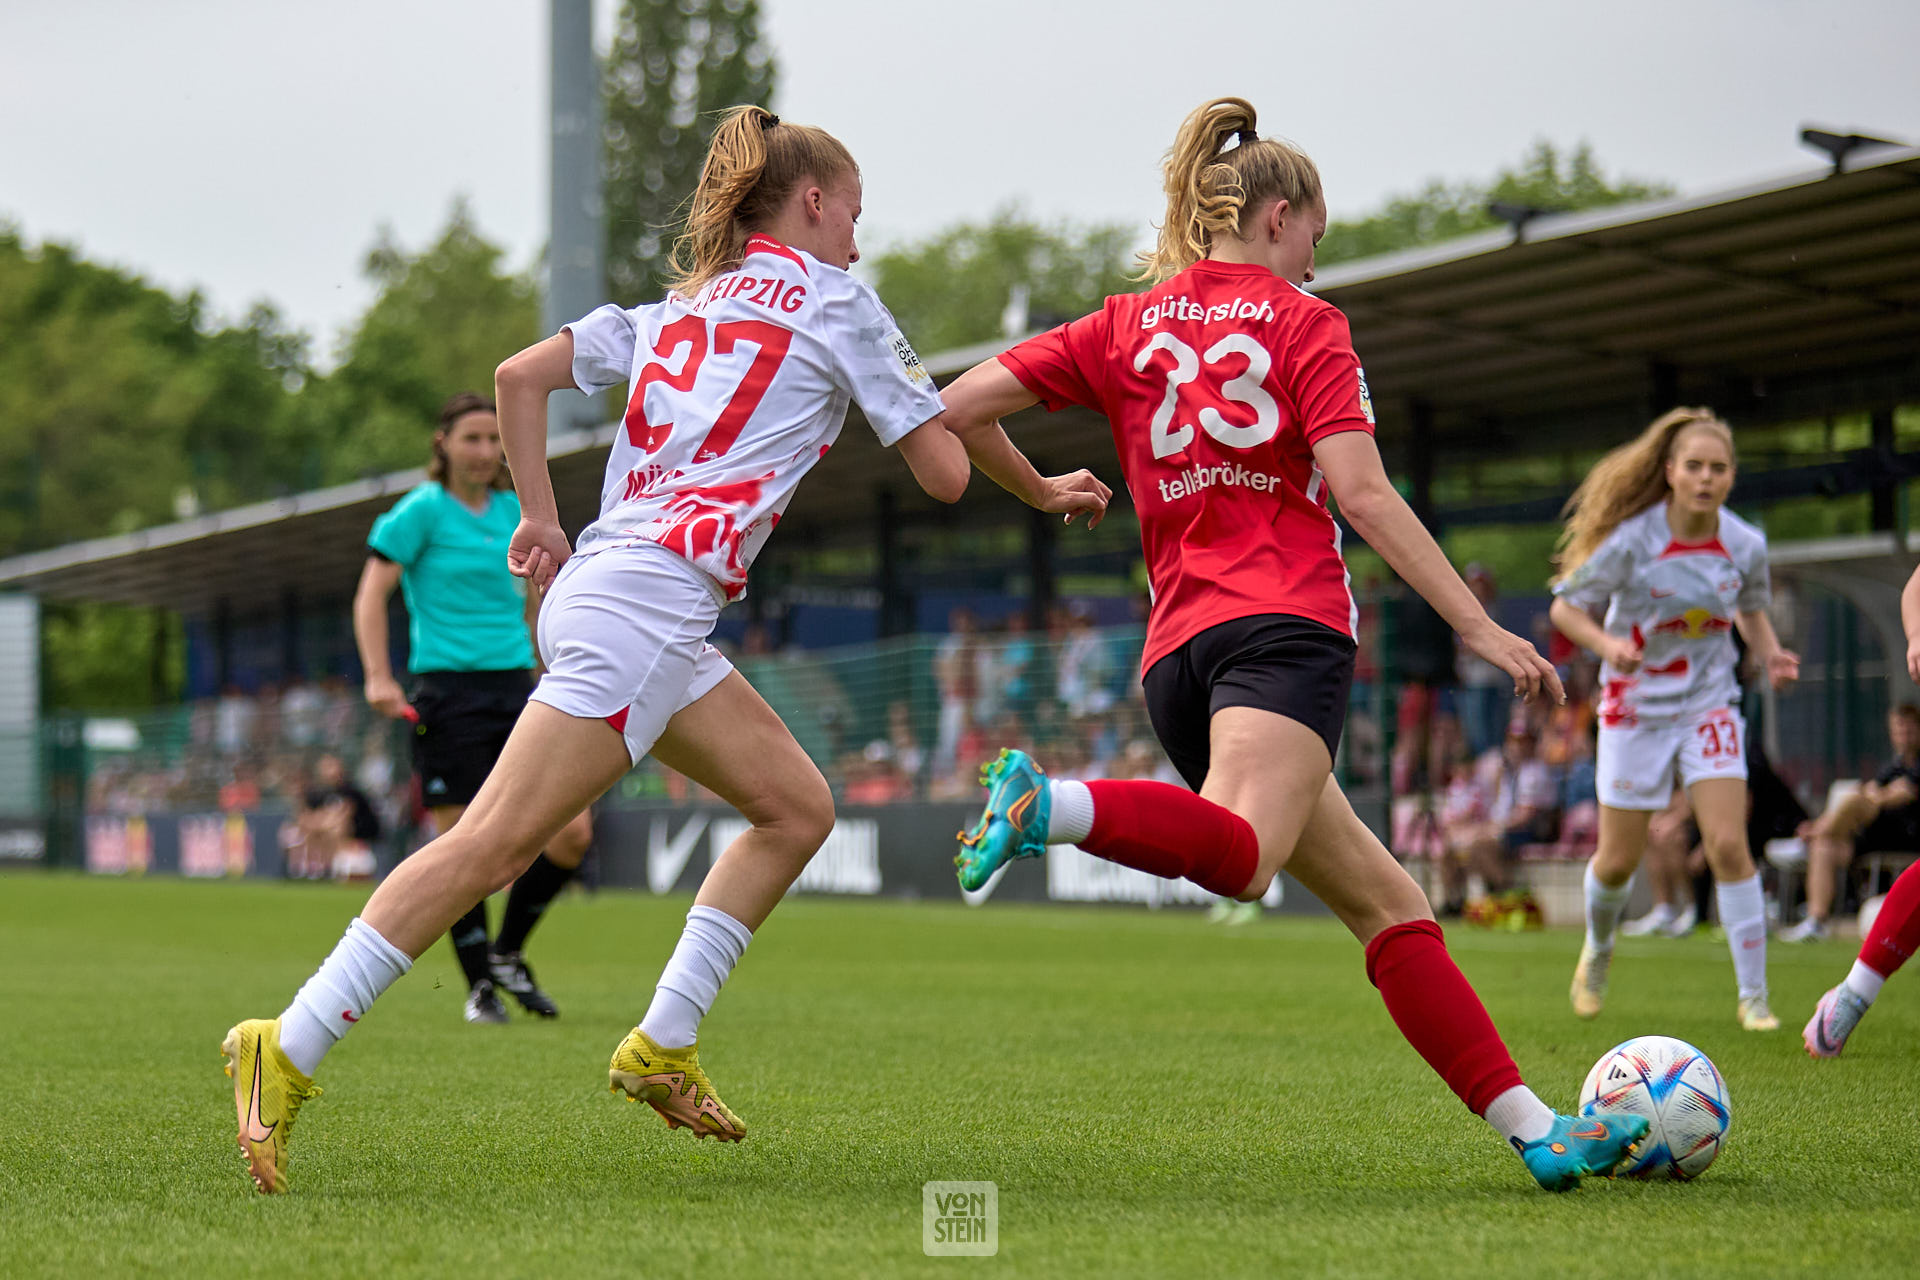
(1675, 1087)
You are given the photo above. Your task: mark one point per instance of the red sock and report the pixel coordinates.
(1439, 1014)
(1896, 930)
(1168, 831)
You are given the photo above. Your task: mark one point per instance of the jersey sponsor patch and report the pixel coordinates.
(904, 353)
(1366, 398)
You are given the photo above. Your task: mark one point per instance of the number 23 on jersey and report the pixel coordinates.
(1197, 382)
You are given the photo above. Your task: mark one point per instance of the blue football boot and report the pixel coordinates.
(1577, 1146)
(1014, 824)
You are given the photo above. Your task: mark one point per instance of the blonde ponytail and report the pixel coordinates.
(1211, 190)
(1626, 482)
(753, 164)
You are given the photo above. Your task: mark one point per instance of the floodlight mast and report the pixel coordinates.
(575, 283)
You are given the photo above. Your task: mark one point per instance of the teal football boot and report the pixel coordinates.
(1580, 1145)
(1014, 824)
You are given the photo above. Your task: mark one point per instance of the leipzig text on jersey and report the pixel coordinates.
(1181, 309)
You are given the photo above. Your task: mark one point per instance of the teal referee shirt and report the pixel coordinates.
(465, 611)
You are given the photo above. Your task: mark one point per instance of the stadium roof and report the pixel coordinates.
(1791, 298)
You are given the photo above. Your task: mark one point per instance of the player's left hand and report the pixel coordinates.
(1532, 674)
(538, 549)
(1913, 660)
(1783, 668)
(1076, 493)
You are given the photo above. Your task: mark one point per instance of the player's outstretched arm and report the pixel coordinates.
(1351, 463)
(937, 459)
(975, 402)
(1910, 616)
(1581, 627)
(1782, 665)
(377, 580)
(520, 387)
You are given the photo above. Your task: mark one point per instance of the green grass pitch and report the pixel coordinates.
(1151, 1095)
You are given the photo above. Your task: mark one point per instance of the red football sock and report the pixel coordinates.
(1168, 831)
(1896, 930)
(1437, 1011)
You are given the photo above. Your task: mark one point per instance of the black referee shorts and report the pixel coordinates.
(465, 717)
(1271, 661)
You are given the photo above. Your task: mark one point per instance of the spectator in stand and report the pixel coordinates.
(241, 793)
(1882, 816)
(907, 753)
(1523, 809)
(875, 777)
(301, 709)
(953, 674)
(1485, 690)
(232, 721)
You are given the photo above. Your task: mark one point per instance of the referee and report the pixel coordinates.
(471, 656)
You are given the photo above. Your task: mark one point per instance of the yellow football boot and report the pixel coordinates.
(267, 1093)
(1589, 990)
(672, 1083)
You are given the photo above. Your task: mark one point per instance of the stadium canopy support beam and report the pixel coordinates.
(896, 604)
(1886, 490)
(1042, 537)
(1420, 462)
(1663, 388)
(222, 643)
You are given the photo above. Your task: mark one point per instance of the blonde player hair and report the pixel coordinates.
(1628, 481)
(1211, 189)
(753, 164)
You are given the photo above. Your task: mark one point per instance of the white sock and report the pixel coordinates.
(1662, 912)
(1070, 820)
(339, 994)
(1604, 907)
(1517, 1113)
(1743, 914)
(710, 946)
(1864, 981)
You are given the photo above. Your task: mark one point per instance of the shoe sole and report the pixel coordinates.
(659, 1092)
(266, 1177)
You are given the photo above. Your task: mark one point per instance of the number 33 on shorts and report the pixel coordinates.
(1638, 765)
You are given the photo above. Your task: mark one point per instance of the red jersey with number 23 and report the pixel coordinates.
(1218, 383)
(733, 395)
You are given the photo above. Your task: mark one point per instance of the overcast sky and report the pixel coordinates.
(253, 149)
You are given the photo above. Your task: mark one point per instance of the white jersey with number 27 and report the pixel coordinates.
(733, 395)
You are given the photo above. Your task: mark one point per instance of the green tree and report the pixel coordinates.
(954, 289)
(118, 400)
(674, 63)
(443, 319)
(1544, 179)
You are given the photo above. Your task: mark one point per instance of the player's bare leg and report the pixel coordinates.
(1720, 807)
(732, 743)
(1623, 841)
(1271, 770)
(1339, 859)
(552, 766)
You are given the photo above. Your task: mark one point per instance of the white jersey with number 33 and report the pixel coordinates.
(733, 395)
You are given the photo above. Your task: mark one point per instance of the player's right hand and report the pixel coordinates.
(384, 696)
(538, 549)
(1532, 674)
(1621, 654)
(1076, 493)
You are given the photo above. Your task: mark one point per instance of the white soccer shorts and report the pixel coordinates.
(623, 634)
(1637, 763)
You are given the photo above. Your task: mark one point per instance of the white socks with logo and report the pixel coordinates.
(1070, 818)
(1864, 981)
(1518, 1113)
(1743, 914)
(339, 994)
(1604, 908)
(709, 948)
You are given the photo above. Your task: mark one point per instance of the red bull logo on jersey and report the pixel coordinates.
(1694, 624)
(1183, 308)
